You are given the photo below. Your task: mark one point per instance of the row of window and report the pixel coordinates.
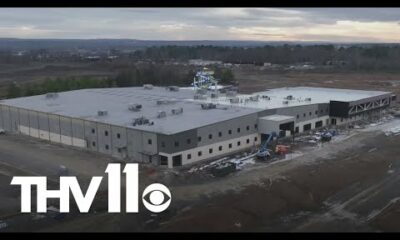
(310, 113)
(220, 148)
(106, 133)
(105, 146)
(199, 138)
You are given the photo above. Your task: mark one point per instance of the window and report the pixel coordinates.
(189, 156)
(176, 144)
(255, 126)
(163, 160)
(210, 136)
(220, 148)
(94, 144)
(238, 143)
(188, 141)
(220, 134)
(199, 153)
(316, 112)
(199, 139)
(106, 146)
(310, 113)
(304, 115)
(149, 141)
(93, 131)
(238, 130)
(210, 150)
(297, 116)
(106, 133)
(255, 139)
(248, 128)
(118, 135)
(119, 150)
(230, 132)
(163, 144)
(248, 141)
(230, 145)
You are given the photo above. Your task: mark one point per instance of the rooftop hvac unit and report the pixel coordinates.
(234, 100)
(148, 86)
(200, 96)
(135, 107)
(162, 102)
(161, 114)
(102, 113)
(208, 106)
(289, 97)
(173, 88)
(266, 97)
(51, 95)
(201, 91)
(214, 95)
(231, 93)
(254, 98)
(285, 102)
(141, 121)
(308, 99)
(177, 111)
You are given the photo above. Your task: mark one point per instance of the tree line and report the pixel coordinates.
(359, 57)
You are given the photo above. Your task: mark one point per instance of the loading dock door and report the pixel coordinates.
(177, 160)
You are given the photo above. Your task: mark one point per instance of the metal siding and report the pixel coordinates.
(54, 126)
(169, 141)
(104, 140)
(14, 119)
(89, 136)
(24, 117)
(225, 126)
(78, 133)
(134, 144)
(118, 142)
(1, 118)
(6, 118)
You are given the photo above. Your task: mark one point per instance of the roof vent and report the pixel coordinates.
(141, 121)
(208, 106)
(231, 93)
(266, 97)
(289, 97)
(161, 114)
(308, 99)
(285, 102)
(51, 95)
(102, 113)
(200, 96)
(201, 91)
(162, 102)
(177, 111)
(214, 95)
(234, 100)
(135, 107)
(148, 86)
(254, 98)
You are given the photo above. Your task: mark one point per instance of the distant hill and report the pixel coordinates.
(65, 44)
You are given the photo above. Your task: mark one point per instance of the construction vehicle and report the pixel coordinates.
(281, 149)
(263, 152)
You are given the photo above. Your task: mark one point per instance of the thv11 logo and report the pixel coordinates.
(156, 197)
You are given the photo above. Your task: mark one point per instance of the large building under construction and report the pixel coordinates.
(177, 126)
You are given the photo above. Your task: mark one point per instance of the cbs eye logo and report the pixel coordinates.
(156, 197)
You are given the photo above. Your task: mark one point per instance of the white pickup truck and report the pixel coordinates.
(2, 131)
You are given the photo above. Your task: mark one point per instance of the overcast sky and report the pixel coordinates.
(269, 24)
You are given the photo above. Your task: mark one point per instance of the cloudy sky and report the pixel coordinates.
(269, 24)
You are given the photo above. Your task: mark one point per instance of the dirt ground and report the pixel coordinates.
(256, 80)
